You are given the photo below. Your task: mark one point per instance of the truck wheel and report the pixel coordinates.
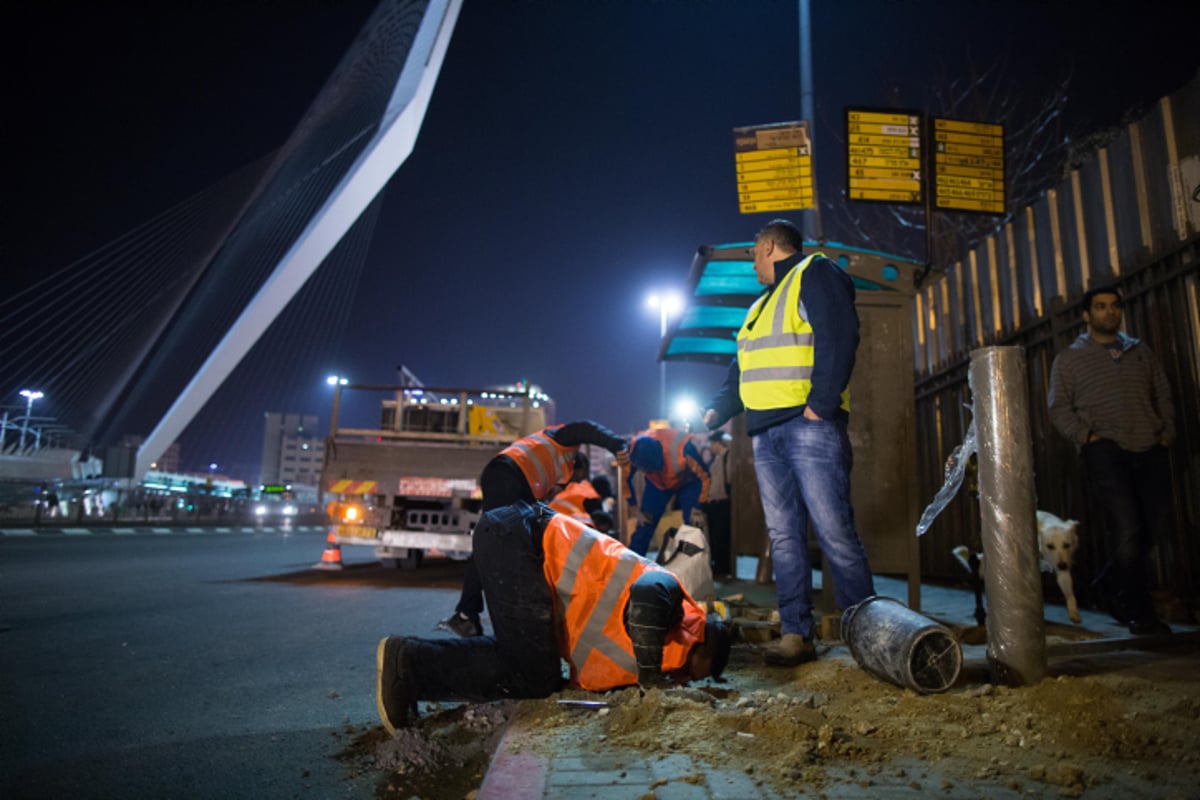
(412, 560)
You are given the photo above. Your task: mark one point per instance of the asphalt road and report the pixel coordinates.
(196, 665)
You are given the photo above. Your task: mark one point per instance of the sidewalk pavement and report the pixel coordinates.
(598, 770)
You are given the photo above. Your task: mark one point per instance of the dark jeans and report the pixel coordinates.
(502, 483)
(655, 606)
(719, 536)
(803, 471)
(654, 502)
(522, 659)
(1133, 491)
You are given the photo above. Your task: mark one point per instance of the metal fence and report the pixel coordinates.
(1129, 216)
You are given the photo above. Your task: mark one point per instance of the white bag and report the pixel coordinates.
(684, 553)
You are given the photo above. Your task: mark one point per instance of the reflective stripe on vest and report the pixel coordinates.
(591, 636)
(775, 356)
(571, 499)
(544, 462)
(591, 574)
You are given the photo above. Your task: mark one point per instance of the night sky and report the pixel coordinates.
(574, 156)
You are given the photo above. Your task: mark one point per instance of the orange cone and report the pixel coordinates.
(332, 557)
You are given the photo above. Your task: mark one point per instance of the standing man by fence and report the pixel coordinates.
(1110, 396)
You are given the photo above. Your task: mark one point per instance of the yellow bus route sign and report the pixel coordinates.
(968, 166)
(774, 167)
(883, 156)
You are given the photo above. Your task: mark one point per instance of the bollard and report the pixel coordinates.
(896, 644)
(1016, 630)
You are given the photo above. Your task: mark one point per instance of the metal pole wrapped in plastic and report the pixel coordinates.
(894, 643)
(1013, 584)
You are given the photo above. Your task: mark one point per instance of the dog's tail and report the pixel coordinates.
(964, 557)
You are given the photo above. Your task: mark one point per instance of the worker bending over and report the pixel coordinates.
(556, 590)
(529, 470)
(672, 467)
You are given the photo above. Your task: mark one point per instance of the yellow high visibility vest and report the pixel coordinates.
(776, 355)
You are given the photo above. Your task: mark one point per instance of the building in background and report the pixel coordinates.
(293, 450)
(169, 460)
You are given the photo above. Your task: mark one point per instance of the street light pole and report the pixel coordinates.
(30, 395)
(666, 304)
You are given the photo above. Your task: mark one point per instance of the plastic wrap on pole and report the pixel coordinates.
(956, 468)
(1012, 581)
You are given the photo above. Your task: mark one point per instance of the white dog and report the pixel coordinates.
(1057, 541)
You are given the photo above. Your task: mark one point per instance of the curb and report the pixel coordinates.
(514, 771)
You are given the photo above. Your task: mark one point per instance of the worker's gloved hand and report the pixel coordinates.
(697, 518)
(623, 460)
(641, 517)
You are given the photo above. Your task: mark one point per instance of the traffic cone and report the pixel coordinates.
(332, 557)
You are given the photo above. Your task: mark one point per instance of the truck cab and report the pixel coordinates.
(410, 486)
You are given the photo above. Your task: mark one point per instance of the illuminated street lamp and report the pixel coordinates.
(30, 395)
(667, 304)
(337, 382)
(687, 411)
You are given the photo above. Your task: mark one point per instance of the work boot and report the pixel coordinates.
(393, 691)
(465, 625)
(792, 650)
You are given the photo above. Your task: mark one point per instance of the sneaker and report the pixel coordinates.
(791, 651)
(465, 625)
(1149, 627)
(392, 690)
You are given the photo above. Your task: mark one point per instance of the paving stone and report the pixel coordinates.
(730, 785)
(680, 790)
(673, 766)
(593, 777)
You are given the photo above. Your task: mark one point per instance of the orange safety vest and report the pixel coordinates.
(544, 462)
(570, 500)
(590, 574)
(674, 472)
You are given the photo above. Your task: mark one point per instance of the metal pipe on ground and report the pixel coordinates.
(1016, 630)
(896, 644)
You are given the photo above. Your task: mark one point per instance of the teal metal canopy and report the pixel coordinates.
(722, 285)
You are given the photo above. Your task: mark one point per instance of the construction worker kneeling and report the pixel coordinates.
(550, 580)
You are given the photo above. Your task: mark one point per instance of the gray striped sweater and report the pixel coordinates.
(1125, 399)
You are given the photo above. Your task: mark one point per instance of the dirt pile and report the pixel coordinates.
(1122, 725)
(1127, 732)
(444, 755)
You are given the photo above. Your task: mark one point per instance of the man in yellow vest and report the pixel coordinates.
(795, 353)
(557, 590)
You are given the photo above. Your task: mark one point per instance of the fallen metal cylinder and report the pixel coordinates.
(1016, 630)
(896, 644)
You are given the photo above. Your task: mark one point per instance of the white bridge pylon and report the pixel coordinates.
(389, 147)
